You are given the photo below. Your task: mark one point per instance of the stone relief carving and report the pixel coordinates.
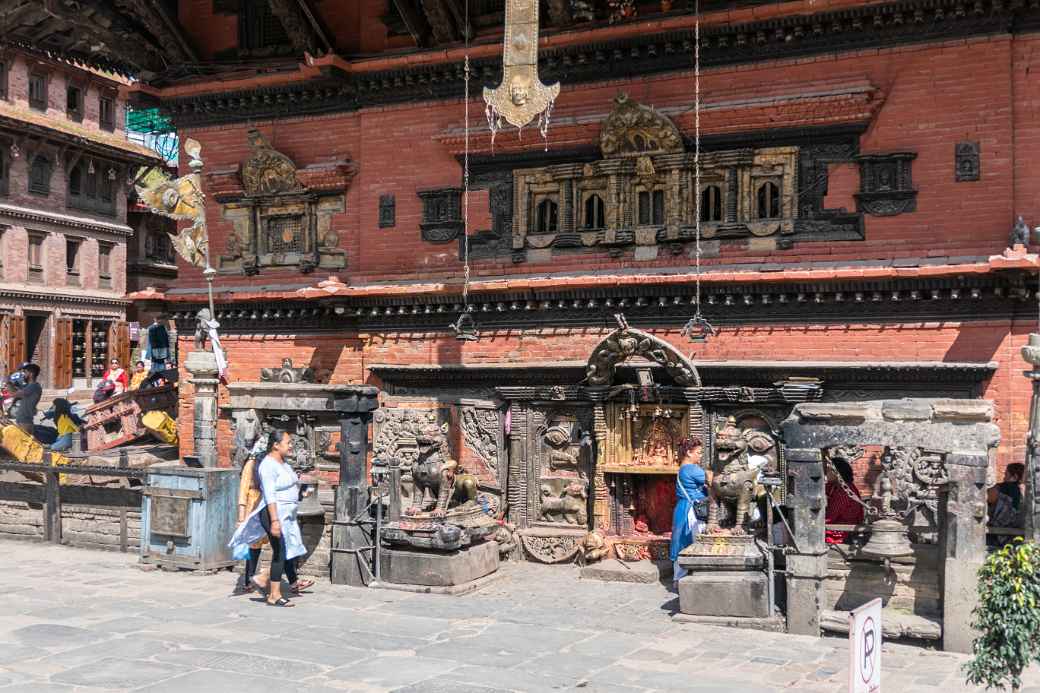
(967, 165)
(568, 506)
(625, 343)
(287, 373)
(247, 432)
(397, 433)
(554, 548)
(480, 430)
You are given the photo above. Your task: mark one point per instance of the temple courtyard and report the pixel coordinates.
(79, 620)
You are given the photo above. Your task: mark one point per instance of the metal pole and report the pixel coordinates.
(770, 574)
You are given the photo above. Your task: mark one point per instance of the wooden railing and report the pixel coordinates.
(51, 494)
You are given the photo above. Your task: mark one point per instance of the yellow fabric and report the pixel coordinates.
(137, 379)
(161, 425)
(66, 425)
(24, 448)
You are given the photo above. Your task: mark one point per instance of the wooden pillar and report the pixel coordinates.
(516, 476)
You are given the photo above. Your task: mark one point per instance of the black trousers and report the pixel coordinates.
(279, 563)
(252, 563)
(277, 547)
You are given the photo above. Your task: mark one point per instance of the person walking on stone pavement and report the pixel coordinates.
(275, 516)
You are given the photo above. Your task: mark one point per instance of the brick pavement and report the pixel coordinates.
(79, 620)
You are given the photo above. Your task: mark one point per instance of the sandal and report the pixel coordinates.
(283, 602)
(259, 588)
(302, 585)
(243, 589)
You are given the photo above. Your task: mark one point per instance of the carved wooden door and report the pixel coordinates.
(15, 341)
(119, 343)
(62, 369)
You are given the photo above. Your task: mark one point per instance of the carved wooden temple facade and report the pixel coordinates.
(861, 170)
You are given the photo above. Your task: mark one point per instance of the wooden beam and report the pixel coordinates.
(414, 20)
(299, 29)
(440, 16)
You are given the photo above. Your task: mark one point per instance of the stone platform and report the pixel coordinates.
(437, 568)
(613, 570)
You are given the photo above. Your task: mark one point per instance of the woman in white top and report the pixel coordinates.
(276, 515)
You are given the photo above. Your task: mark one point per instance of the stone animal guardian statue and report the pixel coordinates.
(247, 432)
(438, 473)
(569, 507)
(735, 484)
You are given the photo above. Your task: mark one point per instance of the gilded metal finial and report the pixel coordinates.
(521, 96)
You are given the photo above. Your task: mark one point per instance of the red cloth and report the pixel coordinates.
(841, 510)
(121, 379)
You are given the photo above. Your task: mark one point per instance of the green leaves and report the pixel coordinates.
(1007, 617)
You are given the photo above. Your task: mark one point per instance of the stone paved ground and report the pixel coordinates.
(78, 620)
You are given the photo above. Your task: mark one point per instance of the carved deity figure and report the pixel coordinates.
(287, 373)
(659, 446)
(735, 483)
(561, 453)
(436, 471)
(267, 171)
(247, 433)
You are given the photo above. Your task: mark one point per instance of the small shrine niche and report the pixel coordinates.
(281, 215)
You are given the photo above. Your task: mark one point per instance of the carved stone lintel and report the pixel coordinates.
(552, 546)
(636, 130)
(627, 342)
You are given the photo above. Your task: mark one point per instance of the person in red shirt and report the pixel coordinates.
(117, 376)
(841, 510)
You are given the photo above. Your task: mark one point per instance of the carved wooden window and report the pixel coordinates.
(40, 175)
(72, 246)
(105, 265)
(595, 216)
(284, 235)
(711, 203)
(768, 201)
(158, 248)
(107, 113)
(547, 220)
(38, 91)
(651, 208)
(259, 27)
(73, 102)
(3, 79)
(92, 188)
(35, 256)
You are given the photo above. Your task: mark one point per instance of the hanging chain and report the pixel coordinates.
(697, 146)
(870, 509)
(465, 178)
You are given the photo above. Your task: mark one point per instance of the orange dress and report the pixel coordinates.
(249, 495)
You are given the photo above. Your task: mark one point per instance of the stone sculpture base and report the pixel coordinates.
(439, 569)
(725, 579)
(613, 570)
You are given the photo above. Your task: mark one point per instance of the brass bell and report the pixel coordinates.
(465, 328)
(309, 504)
(888, 539)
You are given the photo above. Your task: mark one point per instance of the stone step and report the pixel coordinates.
(894, 624)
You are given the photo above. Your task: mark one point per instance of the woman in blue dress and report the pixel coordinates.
(692, 485)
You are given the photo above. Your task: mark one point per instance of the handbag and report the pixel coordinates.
(693, 515)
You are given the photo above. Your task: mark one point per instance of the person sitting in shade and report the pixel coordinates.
(139, 376)
(841, 508)
(692, 486)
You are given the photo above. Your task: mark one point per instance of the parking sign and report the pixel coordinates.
(865, 648)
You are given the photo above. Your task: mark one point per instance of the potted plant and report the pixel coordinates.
(1007, 617)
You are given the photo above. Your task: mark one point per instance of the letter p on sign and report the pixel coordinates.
(865, 648)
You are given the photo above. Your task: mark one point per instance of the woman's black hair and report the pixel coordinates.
(844, 469)
(62, 407)
(275, 437)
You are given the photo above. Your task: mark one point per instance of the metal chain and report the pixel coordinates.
(697, 145)
(871, 510)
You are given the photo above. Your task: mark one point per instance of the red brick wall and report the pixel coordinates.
(347, 358)
(935, 96)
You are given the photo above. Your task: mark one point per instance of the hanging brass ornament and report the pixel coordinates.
(521, 96)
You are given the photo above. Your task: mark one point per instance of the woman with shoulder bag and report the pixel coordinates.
(692, 490)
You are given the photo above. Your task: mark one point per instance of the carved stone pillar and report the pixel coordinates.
(1031, 354)
(202, 365)
(600, 493)
(807, 566)
(732, 195)
(516, 476)
(964, 546)
(349, 535)
(567, 205)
